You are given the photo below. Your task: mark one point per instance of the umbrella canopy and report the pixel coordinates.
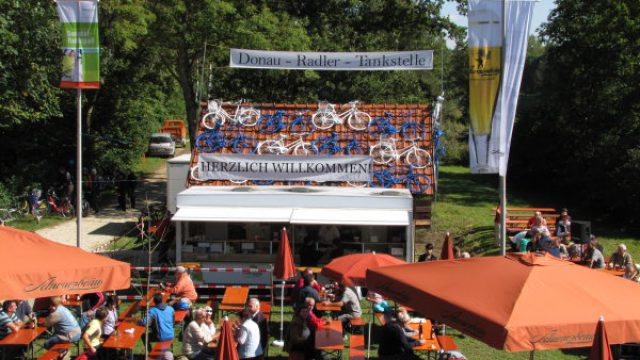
(285, 267)
(447, 248)
(226, 344)
(517, 302)
(351, 269)
(601, 350)
(33, 267)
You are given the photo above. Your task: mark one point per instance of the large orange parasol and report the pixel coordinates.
(34, 267)
(352, 269)
(226, 343)
(520, 302)
(285, 267)
(447, 248)
(600, 349)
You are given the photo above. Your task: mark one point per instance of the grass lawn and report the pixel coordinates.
(28, 223)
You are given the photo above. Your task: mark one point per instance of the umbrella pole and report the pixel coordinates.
(369, 333)
(531, 355)
(280, 343)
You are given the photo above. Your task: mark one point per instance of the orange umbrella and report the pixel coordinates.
(352, 269)
(34, 267)
(518, 302)
(601, 350)
(284, 269)
(226, 343)
(447, 248)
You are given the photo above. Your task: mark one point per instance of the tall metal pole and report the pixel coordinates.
(79, 167)
(503, 178)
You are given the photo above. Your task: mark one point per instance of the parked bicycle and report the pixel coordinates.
(59, 205)
(326, 117)
(355, 147)
(327, 145)
(210, 141)
(217, 116)
(416, 183)
(278, 147)
(382, 125)
(386, 151)
(301, 125)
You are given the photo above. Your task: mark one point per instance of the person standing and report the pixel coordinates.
(247, 335)
(428, 254)
(253, 307)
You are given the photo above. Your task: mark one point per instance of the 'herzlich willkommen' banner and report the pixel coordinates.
(80, 44)
(239, 167)
(356, 61)
(494, 84)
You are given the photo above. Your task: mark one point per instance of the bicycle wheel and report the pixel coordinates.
(301, 127)
(244, 144)
(359, 120)
(238, 181)
(358, 183)
(323, 120)
(195, 173)
(417, 183)
(270, 147)
(301, 149)
(213, 120)
(381, 153)
(209, 141)
(418, 158)
(270, 124)
(263, 182)
(357, 148)
(248, 117)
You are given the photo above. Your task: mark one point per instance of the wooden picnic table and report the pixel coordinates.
(234, 298)
(330, 307)
(329, 337)
(430, 344)
(22, 337)
(143, 302)
(123, 339)
(179, 315)
(446, 343)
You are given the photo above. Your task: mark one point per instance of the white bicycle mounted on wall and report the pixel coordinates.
(217, 116)
(386, 151)
(326, 117)
(278, 147)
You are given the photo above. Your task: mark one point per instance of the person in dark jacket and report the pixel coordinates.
(307, 291)
(394, 343)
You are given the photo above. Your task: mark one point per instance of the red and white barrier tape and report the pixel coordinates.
(234, 270)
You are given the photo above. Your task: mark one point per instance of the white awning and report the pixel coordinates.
(233, 214)
(350, 217)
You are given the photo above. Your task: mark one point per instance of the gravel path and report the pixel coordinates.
(100, 229)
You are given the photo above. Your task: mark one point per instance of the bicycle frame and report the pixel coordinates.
(326, 117)
(243, 116)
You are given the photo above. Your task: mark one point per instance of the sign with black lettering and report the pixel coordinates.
(240, 167)
(357, 61)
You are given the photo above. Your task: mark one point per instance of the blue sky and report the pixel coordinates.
(540, 12)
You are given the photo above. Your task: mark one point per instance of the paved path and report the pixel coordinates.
(100, 229)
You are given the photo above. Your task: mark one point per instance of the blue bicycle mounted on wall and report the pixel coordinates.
(416, 183)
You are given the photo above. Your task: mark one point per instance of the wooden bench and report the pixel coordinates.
(446, 343)
(357, 325)
(380, 317)
(57, 351)
(357, 348)
(159, 349)
(517, 218)
(265, 308)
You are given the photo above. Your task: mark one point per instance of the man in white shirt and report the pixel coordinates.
(247, 335)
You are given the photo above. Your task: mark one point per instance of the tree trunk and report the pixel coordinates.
(185, 80)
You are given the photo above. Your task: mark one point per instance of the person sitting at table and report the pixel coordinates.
(9, 322)
(247, 335)
(65, 326)
(631, 272)
(183, 291)
(301, 337)
(109, 322)
(557, 249)
(593, 256)
(307, 291)
(314, 282)
(395, 344)
(533, 221)
(314, 321)
(160, 319)
(198, 334)
(428, 254)
(380, 305)
(563, 226)
(92, 335)
(253, 307)
(620, 258)
(349, 303)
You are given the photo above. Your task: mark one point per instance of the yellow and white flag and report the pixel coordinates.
(494, 82)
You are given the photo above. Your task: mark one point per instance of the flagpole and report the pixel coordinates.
(503, 178)
(79, 166)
